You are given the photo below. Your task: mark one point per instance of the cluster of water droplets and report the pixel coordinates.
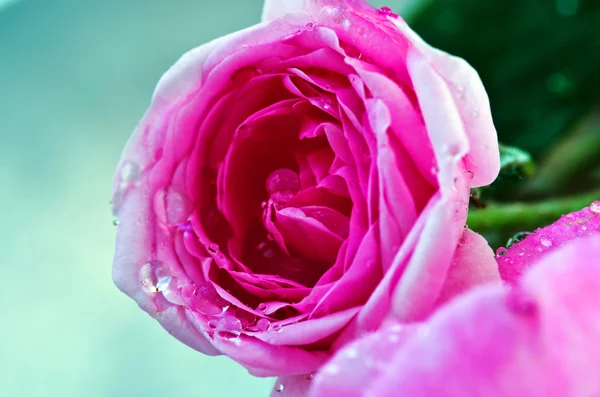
(129, 177)
(222, 318)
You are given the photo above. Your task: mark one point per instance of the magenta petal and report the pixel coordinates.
(307, 235)
(522, 255)
(309, 331)
(353, 369)
(537, 339)
(467, 98)
(263, 359)
(473, 264)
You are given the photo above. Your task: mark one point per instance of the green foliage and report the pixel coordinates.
(539, 60)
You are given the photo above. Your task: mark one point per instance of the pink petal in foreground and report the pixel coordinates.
(537, 339)
(519, 257)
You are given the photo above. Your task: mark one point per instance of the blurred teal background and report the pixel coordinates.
(75, 77)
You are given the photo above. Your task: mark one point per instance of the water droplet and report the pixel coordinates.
(276, 327)
(115, 222)
(262, 307)
(309, 26)
(584, 228)
(212, 323)
(263, 324)
(310, 376)
(282, 184)
(279, 388)
(517, 238)
(213, 248)
(153, 275)
(501, 251)
(177, 206)
(117, 201)
(130, 173)
(229, 327)
(546, 242)
(595, 207)
(387, 11)
(434, 170)
(204, 299)
(163, 283)
(339, 15)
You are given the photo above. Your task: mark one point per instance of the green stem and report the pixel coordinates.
(514, 217)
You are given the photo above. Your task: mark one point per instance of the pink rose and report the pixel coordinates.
(537, 338)
(293, 182)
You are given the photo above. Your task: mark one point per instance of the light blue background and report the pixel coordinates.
(75, 76)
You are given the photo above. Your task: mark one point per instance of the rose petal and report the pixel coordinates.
(539, 339)
(523, 254)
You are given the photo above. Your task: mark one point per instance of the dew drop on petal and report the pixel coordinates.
(276, 327)
(546, 242)
(283, 180)
(177, 207)
(154, 274)
(213, 248)
(212, 323)
(117, 201)
(163, 283)
(204, 299)
(595, 207)
(229, 327)
(501, 251)
(279, 388)
(130, 173)
(263, 324)
(387, 11)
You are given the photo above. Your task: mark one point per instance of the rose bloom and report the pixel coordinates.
(293, 182)
(538, 338)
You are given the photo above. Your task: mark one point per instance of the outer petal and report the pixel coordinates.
(355, 367)
(467, 103)
(522, 255)
(539, 339)
(276, 8)
(473, 264)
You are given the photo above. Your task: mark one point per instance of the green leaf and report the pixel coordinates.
(538, 60)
